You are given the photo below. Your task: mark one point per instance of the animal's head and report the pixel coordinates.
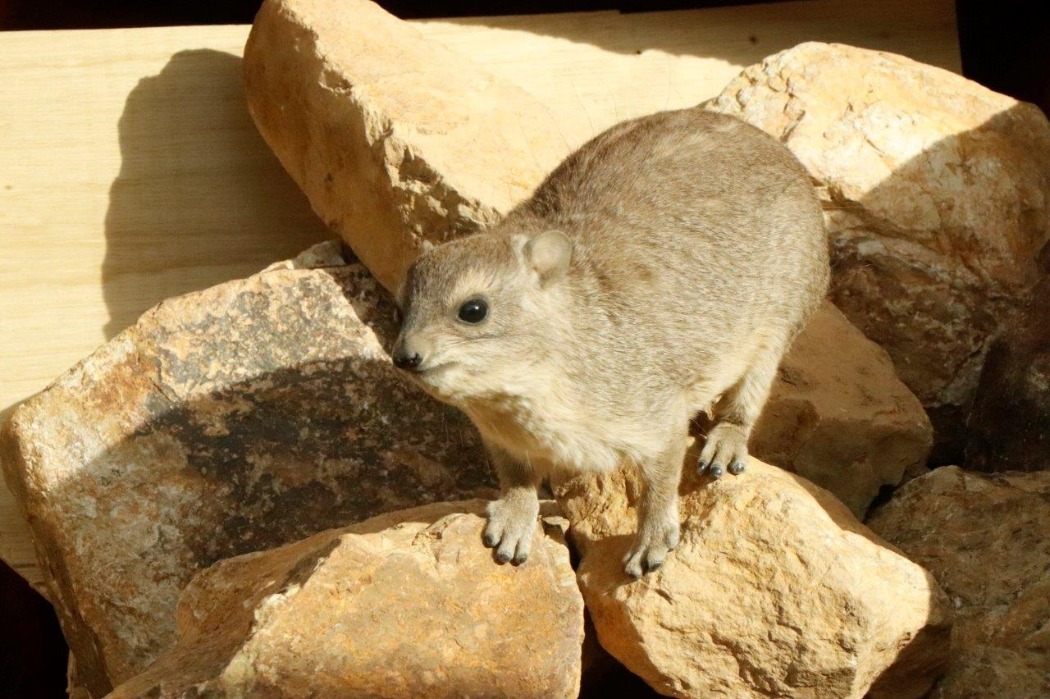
(480, 312)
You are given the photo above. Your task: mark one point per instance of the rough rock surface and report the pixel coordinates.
(231, 420)
(839, 416)
(1009, 425)
(396, 140)
(984, 538)
(937, 198)
(406, 605)
(774, 590)
(347, 127)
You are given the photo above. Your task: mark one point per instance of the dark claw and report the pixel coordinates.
(650, 567)
(518, 560)
(736, 468)
(716, 471)
(632, 576)
(489, 540)
(502, 558)
(702, 466)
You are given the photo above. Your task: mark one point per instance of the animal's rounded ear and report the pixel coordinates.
(549, 254)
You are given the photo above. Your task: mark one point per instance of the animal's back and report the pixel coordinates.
(699, 227)
(661, 269)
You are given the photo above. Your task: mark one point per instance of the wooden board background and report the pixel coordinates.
(130, 170)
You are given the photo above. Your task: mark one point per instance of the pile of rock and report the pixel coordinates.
(227, 421)
(984, 538)
(406, 604)
(937, 193)
(186, 483)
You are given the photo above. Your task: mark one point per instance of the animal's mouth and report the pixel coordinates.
(430, 370)
(432, 380)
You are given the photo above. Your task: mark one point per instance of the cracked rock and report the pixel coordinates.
(230, 420)
(983, 536)
(343, 121)
(775, 590)
(937, 199)
(839, 416)
(405, 605)
(397, 141)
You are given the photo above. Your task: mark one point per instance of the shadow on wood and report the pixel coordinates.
(181, 132)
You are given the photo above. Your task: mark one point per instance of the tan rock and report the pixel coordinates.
(774, 590)
(844, 421)
(603, 676)
(75, 688)
(408, 604)
(396, 140)
(984, 538)
(327, 254)
(839, 416)
(226, 421)
(936, 197)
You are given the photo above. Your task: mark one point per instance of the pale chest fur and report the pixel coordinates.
(554, 431)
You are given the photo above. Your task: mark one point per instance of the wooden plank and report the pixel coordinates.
(595, 69)
(130, 170)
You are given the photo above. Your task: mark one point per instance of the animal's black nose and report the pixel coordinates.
(404, 360)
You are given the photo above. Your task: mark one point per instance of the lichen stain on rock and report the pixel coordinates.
(291, 457)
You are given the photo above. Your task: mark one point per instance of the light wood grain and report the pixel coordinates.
(130, 170)
(595, 69)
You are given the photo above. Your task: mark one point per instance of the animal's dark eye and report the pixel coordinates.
(473, 311)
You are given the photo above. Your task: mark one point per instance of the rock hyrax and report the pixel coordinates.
(662, 269)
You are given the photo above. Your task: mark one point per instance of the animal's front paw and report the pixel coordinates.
(726, 448)
(651, 548)
(512, 520)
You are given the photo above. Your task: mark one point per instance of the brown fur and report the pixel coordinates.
(662, 269)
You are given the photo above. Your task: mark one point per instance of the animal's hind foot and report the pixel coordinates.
(726, 449)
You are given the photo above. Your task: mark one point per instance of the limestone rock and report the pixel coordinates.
(226, 421)
(984, 538)
(1009, 425)
(937, 199)
(774, 590)
(406, 605)
(327, 254)
(603, 676)
(844, 421)
(396, 140)
(839, 416)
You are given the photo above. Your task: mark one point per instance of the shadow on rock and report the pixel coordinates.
(235, 419)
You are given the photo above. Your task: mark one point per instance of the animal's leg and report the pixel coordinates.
(658, 526)
(512, 518)
(736, 412)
